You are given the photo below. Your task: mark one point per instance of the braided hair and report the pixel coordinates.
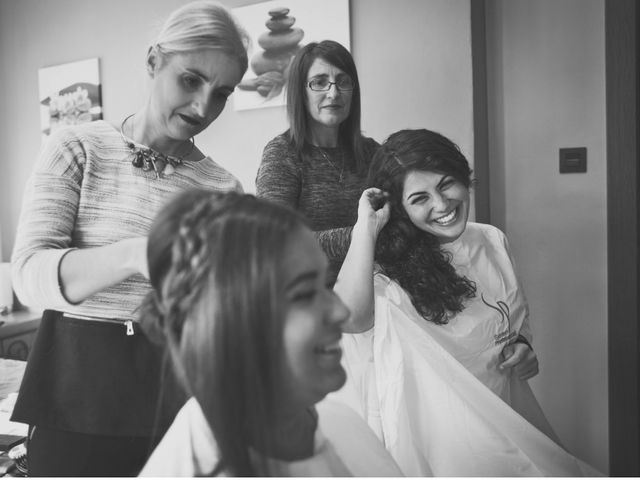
(214, 265)
(405, 253)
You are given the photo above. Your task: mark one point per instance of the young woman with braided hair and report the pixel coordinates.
(240, 298)
(440, 349)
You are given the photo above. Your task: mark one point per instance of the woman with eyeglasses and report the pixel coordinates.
(319, 165)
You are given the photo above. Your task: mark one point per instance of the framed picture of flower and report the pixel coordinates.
(70, 93)
(278, 29)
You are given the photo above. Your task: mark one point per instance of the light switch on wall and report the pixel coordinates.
(573, 160)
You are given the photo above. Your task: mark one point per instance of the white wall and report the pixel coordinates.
(414, 58)
(414, 61)
(547, 91)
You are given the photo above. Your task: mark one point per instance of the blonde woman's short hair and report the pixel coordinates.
(203, 24)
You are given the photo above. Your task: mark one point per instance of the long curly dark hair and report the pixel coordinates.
(406, 254)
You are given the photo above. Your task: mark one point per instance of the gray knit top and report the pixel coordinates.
(324, 186)
(83, 193)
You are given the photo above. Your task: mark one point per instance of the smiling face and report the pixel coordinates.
(327, 109)
(436, 203)
(190, 90)
(313, 324)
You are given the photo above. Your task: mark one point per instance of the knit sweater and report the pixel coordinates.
(323, 186)
(84, 192)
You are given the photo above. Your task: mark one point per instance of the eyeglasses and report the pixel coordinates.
(322, 84)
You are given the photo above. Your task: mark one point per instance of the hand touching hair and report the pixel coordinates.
(406, 254)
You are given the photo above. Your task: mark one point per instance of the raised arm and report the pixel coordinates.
(109, 265)
(355, 280)
(48, 272)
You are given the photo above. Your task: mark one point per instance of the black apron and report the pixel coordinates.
(91, 377)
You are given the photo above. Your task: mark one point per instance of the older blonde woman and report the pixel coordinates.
(91, 387)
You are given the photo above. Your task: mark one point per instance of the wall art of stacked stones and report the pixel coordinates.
(271, 65)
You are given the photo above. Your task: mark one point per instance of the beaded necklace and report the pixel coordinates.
(149, 159)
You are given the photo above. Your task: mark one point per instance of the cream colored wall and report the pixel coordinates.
(414, 60)
(547, 91)
(391, 42)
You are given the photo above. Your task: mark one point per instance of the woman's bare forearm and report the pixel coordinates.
(354, 285)
(84, 272)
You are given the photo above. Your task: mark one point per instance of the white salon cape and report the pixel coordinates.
(343, 446)
(433, 393)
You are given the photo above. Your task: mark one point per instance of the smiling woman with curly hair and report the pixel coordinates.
(440, 350)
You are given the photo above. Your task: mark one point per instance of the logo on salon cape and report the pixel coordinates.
(502, 308)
